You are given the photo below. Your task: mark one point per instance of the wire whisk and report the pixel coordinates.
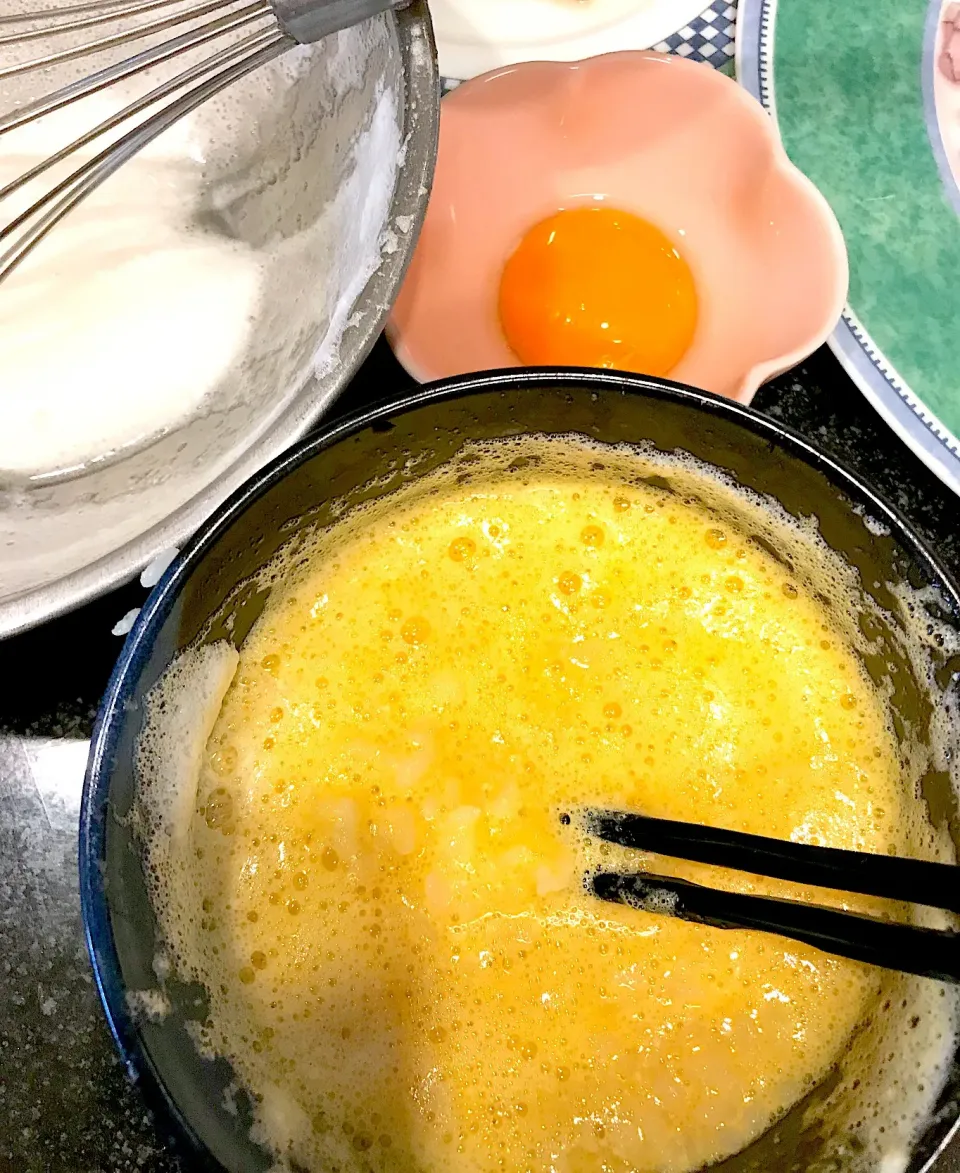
(242, 35)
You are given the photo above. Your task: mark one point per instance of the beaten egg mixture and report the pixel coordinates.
(403, 963)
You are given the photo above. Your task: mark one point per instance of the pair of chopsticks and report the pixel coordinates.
(930, 953)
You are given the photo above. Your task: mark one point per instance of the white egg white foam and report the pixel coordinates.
(220, 264)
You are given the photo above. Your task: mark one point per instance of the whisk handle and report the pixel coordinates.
(311, 20)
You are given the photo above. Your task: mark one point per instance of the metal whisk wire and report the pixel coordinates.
(109, 42)
(284, 23)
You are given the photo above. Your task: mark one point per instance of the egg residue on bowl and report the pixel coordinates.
(633, 211)
(365, 864)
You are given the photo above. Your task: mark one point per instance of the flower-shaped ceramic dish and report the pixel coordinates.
(674, 142)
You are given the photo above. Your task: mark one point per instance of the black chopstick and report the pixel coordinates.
(912, 949)
(908, 948)
(913, 881)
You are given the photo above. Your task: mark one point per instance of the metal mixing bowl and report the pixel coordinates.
(72, 535)
(212, 593)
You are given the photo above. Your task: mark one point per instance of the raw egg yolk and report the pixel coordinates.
(595, 287)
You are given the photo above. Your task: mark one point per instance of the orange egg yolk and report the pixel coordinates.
(597, 287)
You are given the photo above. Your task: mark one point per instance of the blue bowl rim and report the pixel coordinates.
(94, 807)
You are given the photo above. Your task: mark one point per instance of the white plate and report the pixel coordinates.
(474, 36)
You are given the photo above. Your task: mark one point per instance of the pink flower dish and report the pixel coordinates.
(674, 142)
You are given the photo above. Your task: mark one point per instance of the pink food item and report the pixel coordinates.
(949, 59)
(674, 142)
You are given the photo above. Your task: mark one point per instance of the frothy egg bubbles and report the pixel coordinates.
(598, 287)
(354, 838)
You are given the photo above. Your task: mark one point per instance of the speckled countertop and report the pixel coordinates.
(64, 1102)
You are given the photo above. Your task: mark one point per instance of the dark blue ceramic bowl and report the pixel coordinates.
(207, 590)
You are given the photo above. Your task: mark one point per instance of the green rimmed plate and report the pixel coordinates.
(866, 105)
